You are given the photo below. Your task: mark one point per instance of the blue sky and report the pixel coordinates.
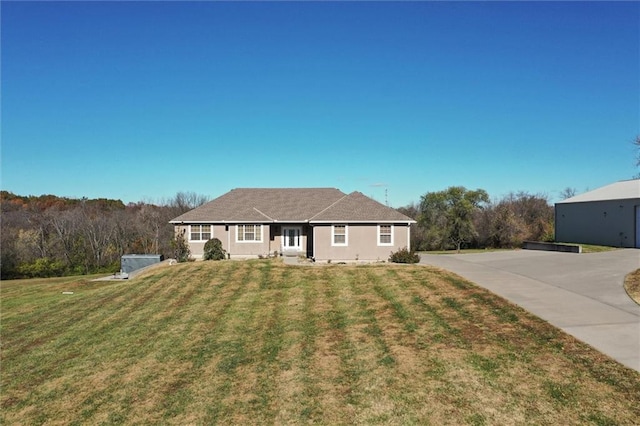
(139, 100)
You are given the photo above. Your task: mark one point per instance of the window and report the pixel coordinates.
(385, 235)
(249, 233)
(199, 232)
(339, 235)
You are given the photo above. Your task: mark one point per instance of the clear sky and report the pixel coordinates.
(139, 100)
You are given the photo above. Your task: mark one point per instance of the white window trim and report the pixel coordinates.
(283, 236)
(379, 234)
(346, 235)
(251, 241)
(201, 224)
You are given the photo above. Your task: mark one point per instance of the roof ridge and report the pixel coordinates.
(328, 207)
(263, 214)
(273, 188)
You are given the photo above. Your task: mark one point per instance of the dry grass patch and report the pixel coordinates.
(632, 285)
(260, 342)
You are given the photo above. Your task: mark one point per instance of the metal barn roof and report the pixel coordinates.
(622, 190)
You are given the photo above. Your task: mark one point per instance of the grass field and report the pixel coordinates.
(258, 342)
(632, 285)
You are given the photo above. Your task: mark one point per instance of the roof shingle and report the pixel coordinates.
(357, 207)
(260, 204)
(291, 205)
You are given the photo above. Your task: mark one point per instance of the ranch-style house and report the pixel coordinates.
(320, 223)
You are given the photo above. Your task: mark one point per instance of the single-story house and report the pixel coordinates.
(608, 216)
(321, 223)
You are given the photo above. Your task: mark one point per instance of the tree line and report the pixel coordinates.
(52, 236)
(458, 218)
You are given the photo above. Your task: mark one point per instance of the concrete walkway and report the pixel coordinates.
(582, 294)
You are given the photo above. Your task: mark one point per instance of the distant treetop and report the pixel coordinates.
(11, 201)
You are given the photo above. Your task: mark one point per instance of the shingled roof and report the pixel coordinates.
(357, 207)
(291, 205)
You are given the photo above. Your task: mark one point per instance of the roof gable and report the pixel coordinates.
(357, 207)
(622, 190)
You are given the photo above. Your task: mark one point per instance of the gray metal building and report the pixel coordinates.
(608, 216)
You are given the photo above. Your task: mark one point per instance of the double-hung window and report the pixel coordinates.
(385, 235)
(249, 233)
(200, 232)
(339, 235)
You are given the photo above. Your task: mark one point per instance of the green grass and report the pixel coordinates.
(258, 342)
(586, 248)
(590, 248)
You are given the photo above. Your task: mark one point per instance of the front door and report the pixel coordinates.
(291, 239)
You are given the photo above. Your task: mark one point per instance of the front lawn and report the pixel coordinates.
(259, 342)
(632, 285)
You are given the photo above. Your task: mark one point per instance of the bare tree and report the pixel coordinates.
(412, 210)
(636, 148)
(185, 201)
(66, 235)
(149, 223)
(97, 233)
(568, 193)
(517, 217)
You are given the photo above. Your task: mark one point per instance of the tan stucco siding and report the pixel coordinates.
(227, 235)
(249, 248)
(272, 240)
(609, 223)
(197, 247)
(362, 243)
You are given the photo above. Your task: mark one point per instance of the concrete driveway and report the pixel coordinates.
(582, 294)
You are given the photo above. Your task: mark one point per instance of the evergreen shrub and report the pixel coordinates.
(213, 250)
(181, 249)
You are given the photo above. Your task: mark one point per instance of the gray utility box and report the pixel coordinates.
(133, 262)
